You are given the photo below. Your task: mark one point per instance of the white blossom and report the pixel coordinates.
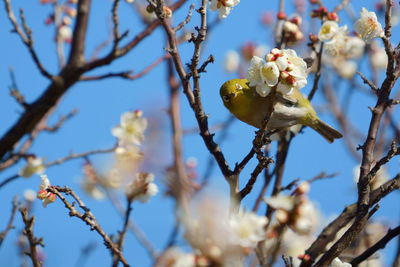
(281, 202)
(131, 128)
(336, 46)
(142, 187)
(368, 26)
(338, 263)
(254, 76)
(346, 68)
(270, 73)
(174, 257)
(219, 236)
(29, 195)
(281, 68)
(34, 165)
(247, 228)
(354, 47)
(43, 194)
(232, 60)
(328, 29)
(65, 33)
(379, 59)
(224, 7)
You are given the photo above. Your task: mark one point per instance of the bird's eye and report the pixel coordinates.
(225, 98)
(238, 86)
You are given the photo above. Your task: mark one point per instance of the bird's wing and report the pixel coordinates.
(286, 100)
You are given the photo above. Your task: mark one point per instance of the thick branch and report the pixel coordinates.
(77, 57)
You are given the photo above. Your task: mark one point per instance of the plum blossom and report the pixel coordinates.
(296, 210)
(224, 7)
(255, 78)
(379, 59)
(338, 263)
(174, 257)
(46, 196)
(337, 44)
(248, 229)
(34, 165)
(142, 187)
(131, 129)
(280, 68)
(223, 239)
(346, 68)
(368, 26)
(232, 60)
(328, 30)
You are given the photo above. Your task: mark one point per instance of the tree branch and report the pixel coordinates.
(87, 217)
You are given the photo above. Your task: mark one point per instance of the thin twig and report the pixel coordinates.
(10, 226)
(80, 155)
(124, 229)
(26, 36)
(32, 240)
(87, 217)
(368, 82)
(392, 233)
(127, 74)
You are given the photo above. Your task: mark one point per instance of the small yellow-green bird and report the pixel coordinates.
(248, 106)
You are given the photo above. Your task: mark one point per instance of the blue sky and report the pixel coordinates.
(100, 105)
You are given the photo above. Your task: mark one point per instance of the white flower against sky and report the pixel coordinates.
(346, 68)
(131, 129)
(281, 202)
(247, 229)
(34, 165)
(29, 195)
(142, 187)
(254, 76)
(338, 263)
(65, 33)
(224, 7)
(328, 30)
(232, 60)
(221, 237)
(379, 59)
(354, 47)
(336, 46)
(270, 73)
(368, 26)
(43, 194)
(174, 257)
(281, 68)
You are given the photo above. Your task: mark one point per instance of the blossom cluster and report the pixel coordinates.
(138, 185)
(221, 238)
(295, 211)
(130, 135)
(63, 24)
(224, 7)
(289, 29)
(280, 69)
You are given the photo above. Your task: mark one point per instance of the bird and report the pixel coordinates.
(247, 105)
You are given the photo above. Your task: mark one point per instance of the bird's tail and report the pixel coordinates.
(329, 133)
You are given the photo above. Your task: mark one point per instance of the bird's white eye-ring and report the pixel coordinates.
(238, 86)
(225, 98)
